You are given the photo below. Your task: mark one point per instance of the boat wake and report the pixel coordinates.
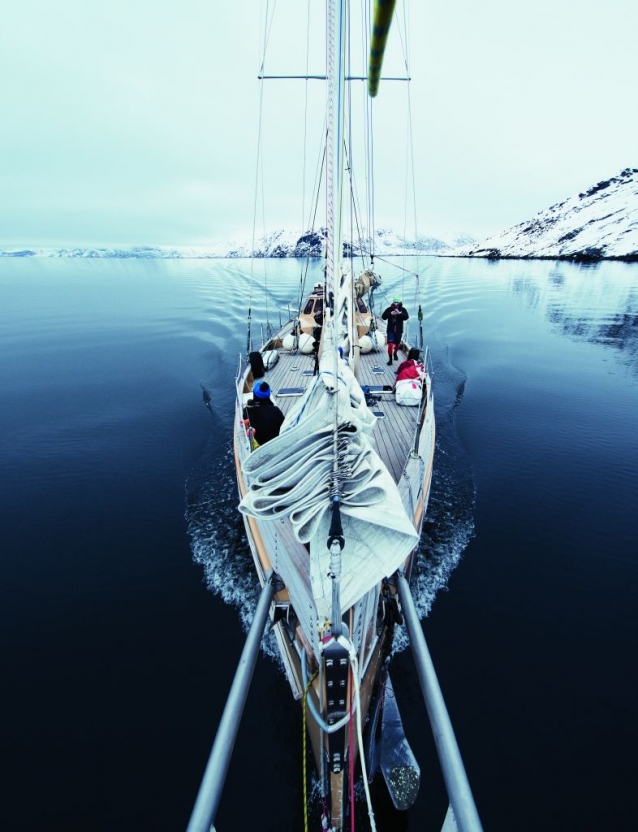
(217, 535)
(449, 523)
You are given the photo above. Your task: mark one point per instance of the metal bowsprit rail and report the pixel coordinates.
(456, 782)
(212, 784)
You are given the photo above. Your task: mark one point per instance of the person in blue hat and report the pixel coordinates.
(394, 315)
(265, 417)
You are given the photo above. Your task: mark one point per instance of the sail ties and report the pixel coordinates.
(336, 542)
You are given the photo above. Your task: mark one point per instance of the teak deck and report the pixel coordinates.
(396, 428)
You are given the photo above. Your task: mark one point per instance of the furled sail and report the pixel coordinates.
(290, 476)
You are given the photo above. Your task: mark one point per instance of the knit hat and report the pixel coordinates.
(397, 299)
(261, 390)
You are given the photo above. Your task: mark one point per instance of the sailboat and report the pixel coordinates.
(334, 502)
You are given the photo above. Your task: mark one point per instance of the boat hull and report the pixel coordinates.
(405, 439)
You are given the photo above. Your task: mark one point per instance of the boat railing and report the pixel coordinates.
(462, 814)
(429, 366)
(210, 790)
(425, 398)
(240, 404)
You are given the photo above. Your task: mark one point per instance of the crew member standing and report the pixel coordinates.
(394, 315)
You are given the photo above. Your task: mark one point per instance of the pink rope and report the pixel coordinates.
(351, 756)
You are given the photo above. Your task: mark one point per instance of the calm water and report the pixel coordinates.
(124, 575)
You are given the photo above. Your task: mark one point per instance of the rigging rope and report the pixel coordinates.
(267, 24)
(396, 266)
(354, 663)
(312, 221)
(370, 169)
(410, 177)
(352, 828)
(356, 213)
(305, 122)
(305, 733)
(303, 229)
(369, 146)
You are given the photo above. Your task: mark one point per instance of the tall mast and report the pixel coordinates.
(335, 76)
(335, 71)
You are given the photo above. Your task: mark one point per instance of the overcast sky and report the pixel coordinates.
(135, 121)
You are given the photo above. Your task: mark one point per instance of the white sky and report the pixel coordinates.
(135, 121)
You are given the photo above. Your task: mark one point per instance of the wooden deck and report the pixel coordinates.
(272, 542)
(396, 427)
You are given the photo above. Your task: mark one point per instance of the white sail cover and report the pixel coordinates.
(290, 476)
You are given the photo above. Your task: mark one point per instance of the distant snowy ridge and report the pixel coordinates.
(275, 244)
(598, 224)
(311, 244)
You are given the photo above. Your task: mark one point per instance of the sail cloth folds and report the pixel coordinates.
(290, 476)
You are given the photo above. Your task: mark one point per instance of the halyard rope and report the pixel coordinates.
(357, 701)
(305, 784)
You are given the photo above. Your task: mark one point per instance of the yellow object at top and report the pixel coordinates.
(383, 11)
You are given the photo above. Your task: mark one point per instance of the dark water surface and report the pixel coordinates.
(117, 657)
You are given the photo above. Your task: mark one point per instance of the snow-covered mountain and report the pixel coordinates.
(310, 244)
(140, 252)
(598, 224)
(275, 244)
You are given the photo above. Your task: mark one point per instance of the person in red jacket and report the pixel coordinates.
(411, 367)
(409, 364)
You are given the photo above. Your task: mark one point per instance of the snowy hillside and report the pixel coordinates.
(122, 252)
(276, 244)
(310, 244)
(600, 223)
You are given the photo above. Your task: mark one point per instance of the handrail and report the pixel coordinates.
(425, 398)
(240, 404)
(456, 782)
(210, 791)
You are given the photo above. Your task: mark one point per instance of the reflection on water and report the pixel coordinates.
(598, 304)
(534, 488)
(463, 300)
(217, 538)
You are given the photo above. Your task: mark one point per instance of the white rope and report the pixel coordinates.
(357, 696)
